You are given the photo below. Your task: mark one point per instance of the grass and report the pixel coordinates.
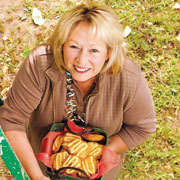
(152, 43)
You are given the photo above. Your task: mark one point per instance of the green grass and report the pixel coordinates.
(153, 44)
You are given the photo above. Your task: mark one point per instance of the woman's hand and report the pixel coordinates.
(116, 144)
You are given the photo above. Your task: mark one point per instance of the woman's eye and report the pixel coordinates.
(74, 47)
(94, 50)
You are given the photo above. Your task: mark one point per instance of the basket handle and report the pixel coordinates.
(87, 129)
(86, 177)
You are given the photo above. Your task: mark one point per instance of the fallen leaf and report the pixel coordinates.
(178, 37)
(26, 53)
(143, 8)
(9, 39)
(23, 18)
(149, 23)
(176, 6)
(5, 38)
(37, 17)
(172, 175)
(174, 90)
(127, 31)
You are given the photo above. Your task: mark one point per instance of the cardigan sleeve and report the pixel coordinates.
(139, 120)
(23, 96)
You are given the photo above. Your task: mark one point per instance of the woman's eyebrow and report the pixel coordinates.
(72, 40)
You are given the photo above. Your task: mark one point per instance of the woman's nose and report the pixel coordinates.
(82, 56)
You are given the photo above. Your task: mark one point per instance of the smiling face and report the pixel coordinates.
(84, 54)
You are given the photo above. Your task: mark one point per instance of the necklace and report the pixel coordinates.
(71, 107)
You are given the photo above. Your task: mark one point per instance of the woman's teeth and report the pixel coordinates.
(81, 69)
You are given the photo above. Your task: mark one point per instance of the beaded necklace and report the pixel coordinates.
(70, 106)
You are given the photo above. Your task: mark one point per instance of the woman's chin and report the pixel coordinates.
(81, 79)
(84, 78)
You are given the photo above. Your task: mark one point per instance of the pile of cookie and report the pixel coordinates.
(71, 150)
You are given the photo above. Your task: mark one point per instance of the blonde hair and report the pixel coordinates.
(103, 23)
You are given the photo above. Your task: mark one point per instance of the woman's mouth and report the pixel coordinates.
(80, 69)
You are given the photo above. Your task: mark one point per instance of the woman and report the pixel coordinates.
(108, 89)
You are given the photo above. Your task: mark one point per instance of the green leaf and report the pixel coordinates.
(26, 53)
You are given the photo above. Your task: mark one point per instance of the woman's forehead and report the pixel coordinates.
(86, 28)
(83, 35)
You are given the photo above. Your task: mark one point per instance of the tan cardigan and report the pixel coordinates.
(121, 104)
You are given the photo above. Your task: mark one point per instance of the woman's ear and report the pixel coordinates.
(105, 63)
(107, 55)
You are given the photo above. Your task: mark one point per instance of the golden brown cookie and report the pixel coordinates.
(89, 165)
(72, 161)
(95, 149)
(57, 143)
(77, 147)
(59, 159)
(52, 158)
(94, 137)
(68, 137)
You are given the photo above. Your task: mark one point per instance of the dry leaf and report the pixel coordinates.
(127, 31)
(37, 17)
(23, 18)
(176, 6)
(5, 38)
(149, 23)
(178, 37)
